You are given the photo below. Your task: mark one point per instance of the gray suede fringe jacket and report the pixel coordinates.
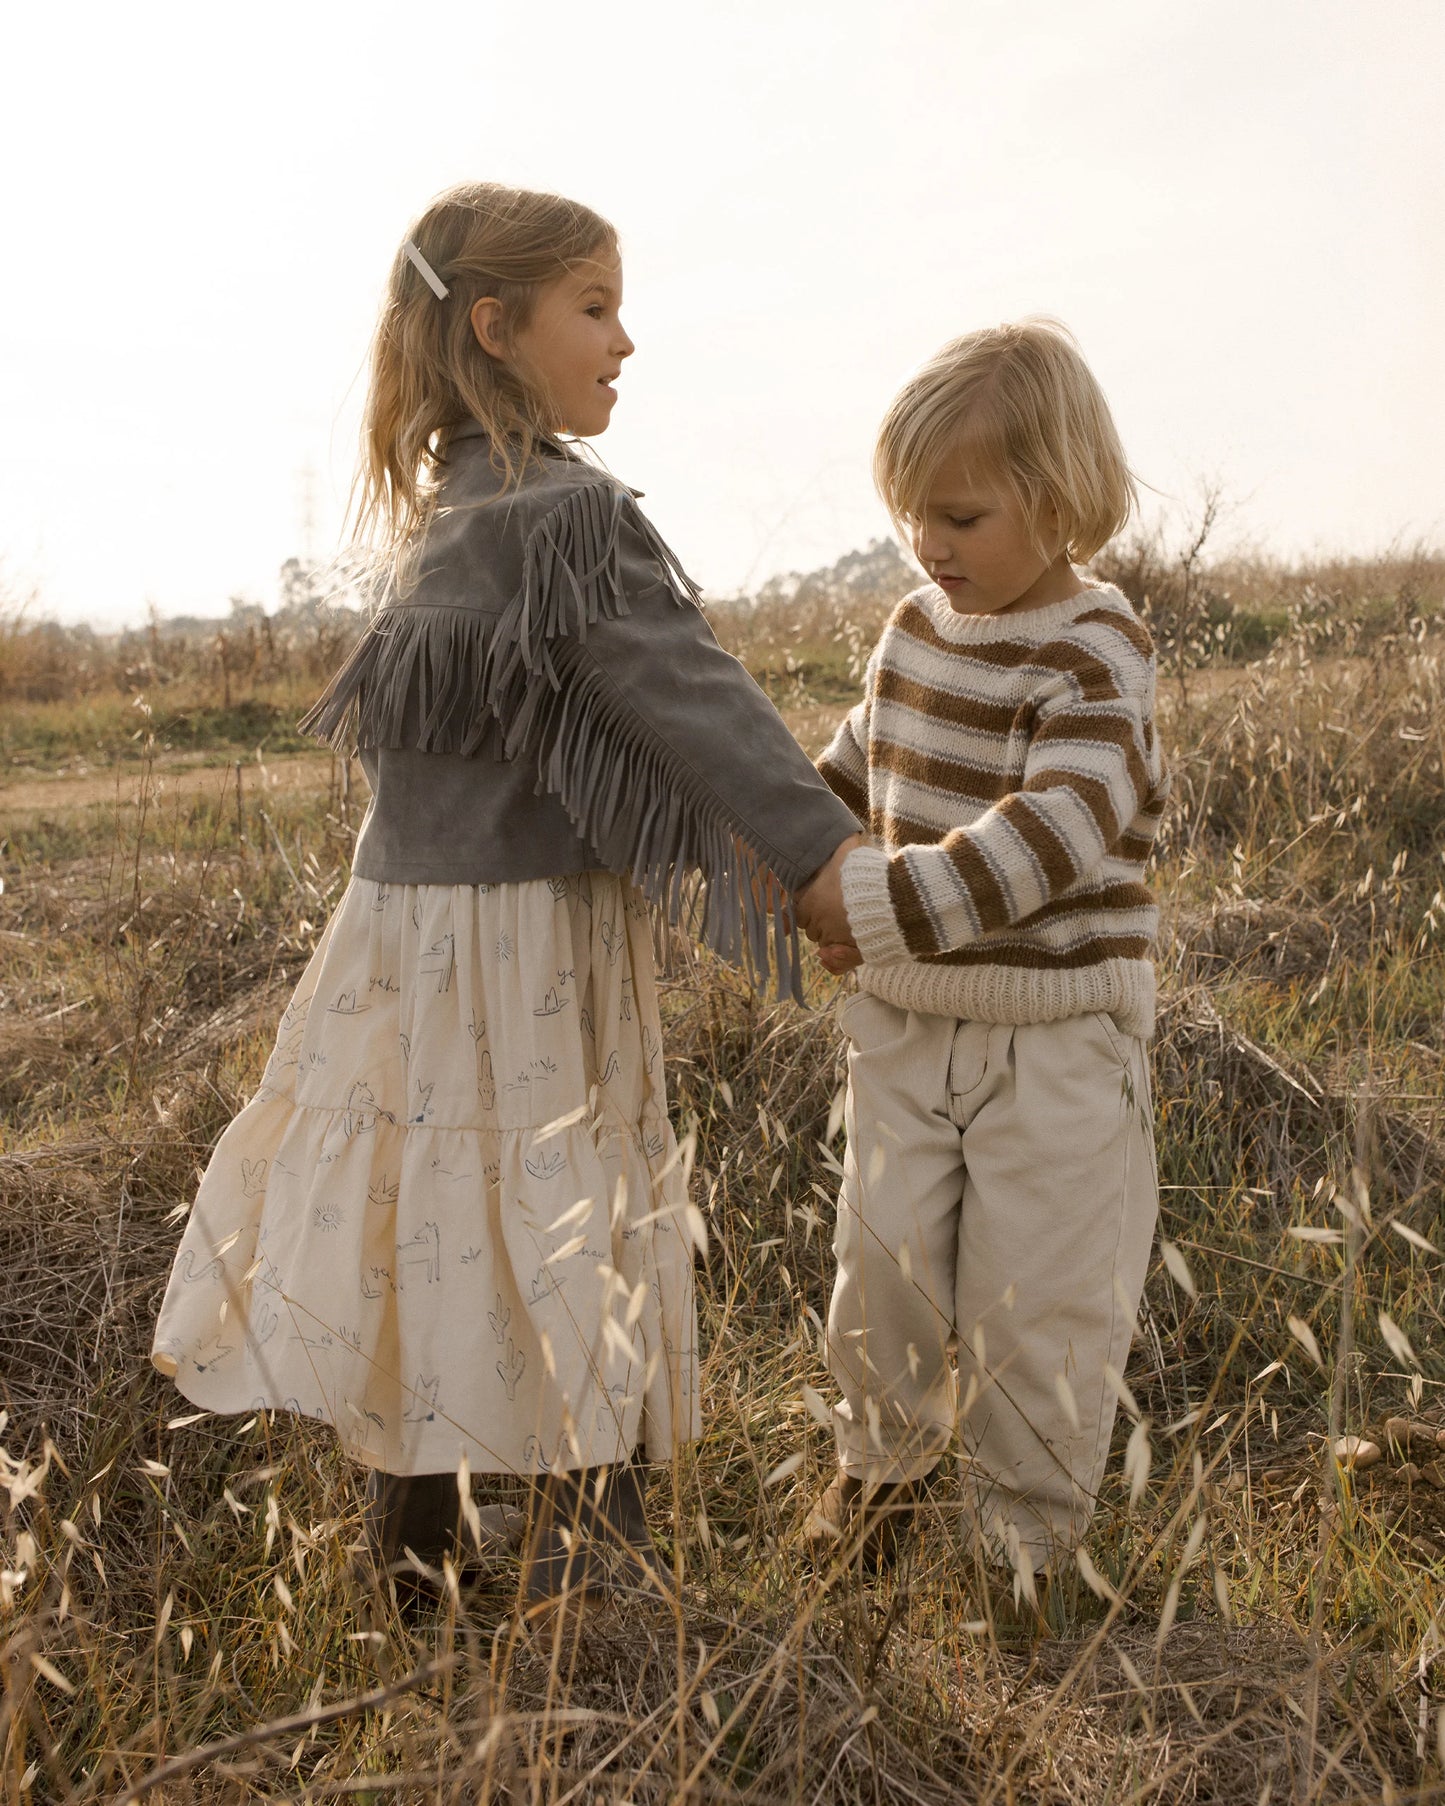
(547, 699)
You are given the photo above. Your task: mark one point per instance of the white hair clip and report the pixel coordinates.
(426, 272)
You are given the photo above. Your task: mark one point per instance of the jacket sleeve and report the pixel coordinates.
(604, 674)
(1087, 772)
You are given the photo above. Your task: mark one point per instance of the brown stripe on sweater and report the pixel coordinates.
(1096, 677)
(1112, 722)
(902, 831)
(852, 793)
(903, 619)
(1024, 957)
(989, 903)
(964, 710)
(1059, 868)
(1096, 682)
(898, 830)
(1093, 674)
(1126, 895)
(1004, 654)
(1128, 627)
(910, 911)
(1100, 730)
(1092, 792)
(960, 776)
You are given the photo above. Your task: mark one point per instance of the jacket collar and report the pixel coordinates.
(473, 429)
(551, 448)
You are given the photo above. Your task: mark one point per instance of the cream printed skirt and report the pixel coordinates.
(452, 1220)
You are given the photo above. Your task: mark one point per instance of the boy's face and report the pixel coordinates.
(976, 547)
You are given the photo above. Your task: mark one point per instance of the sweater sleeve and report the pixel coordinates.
(844, 761)
(1086, 773)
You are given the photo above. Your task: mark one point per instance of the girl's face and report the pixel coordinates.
(575, 343)
(976, 547)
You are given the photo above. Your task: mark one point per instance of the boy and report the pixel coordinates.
(1000, 1194)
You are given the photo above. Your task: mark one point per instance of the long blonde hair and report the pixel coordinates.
(428, 373)
(1023, 409)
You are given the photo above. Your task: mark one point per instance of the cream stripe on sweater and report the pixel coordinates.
(1008, 767)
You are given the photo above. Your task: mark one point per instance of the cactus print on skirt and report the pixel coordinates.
(453, 1220)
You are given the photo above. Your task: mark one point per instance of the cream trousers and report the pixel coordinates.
(998, 1202)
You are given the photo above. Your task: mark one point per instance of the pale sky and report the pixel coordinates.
(1238, 205)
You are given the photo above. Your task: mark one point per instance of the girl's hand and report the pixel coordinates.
(840, 957)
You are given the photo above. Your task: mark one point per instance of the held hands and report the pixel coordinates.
(821, 913)
(839, 957)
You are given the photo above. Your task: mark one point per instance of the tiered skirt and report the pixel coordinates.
(453, 1219)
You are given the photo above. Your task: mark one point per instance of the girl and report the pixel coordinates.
(452, 1221)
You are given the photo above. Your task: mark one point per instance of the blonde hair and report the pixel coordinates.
(1023, 410)
(428, 372)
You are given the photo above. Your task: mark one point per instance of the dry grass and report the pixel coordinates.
(173, 1610)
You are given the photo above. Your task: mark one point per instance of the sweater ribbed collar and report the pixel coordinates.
(1033, 626)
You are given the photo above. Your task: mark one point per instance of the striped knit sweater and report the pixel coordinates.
(1008, 769)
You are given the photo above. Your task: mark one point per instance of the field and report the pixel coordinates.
(1255, 1621)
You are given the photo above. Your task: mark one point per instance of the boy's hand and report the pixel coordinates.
(840, 957)
(819, 904)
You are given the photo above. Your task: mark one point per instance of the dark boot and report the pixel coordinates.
(421, 1513)
(418, 1512)
(589, 1535)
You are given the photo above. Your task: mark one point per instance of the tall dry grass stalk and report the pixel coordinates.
(1249, 1616)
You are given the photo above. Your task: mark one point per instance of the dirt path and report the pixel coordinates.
(172, 776)
(202, 774)
(180, 775)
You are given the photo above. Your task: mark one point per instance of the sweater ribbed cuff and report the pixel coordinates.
(869, 907)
